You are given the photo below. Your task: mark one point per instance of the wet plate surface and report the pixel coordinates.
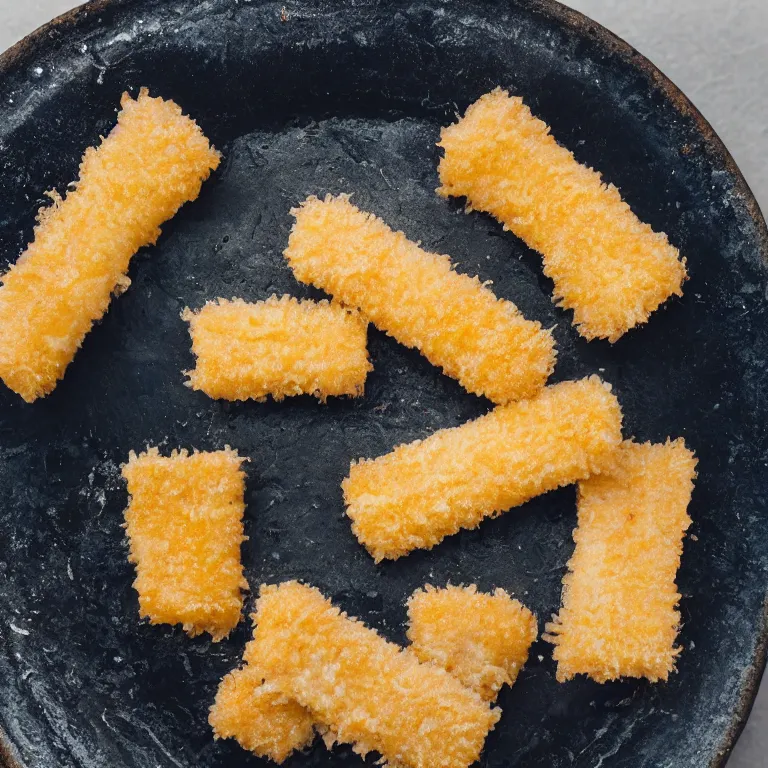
(318, 97)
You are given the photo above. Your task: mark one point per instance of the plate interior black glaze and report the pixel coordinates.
(316, 97)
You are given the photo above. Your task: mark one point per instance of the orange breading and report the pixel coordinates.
(481, 639)
(420, 493)
(279, 347)
(259, 717)
(610, 268)
(619, 616)
(369, 692)
(153, 162)
(185, 526)
(417, 298)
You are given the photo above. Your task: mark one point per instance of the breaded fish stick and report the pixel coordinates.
(619, 616)
(279, 347)
(369, 692)
(420, 493)
(417, 298)
(481, 639)
(610, 268)
(185, 525)
(153, 162)
(263, 720)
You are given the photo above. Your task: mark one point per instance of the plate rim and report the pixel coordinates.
(580, 23)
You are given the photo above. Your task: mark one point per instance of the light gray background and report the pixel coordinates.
(715, 50)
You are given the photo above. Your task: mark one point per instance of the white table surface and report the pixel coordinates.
(715, 50)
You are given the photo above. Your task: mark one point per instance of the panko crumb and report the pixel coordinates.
(259, 717)
(279, 347)
(422, 492)
(366, 691)
(619, 616)
(610, 268)
(185, 526)
(419, 299)
(481, 639)
(153, 162)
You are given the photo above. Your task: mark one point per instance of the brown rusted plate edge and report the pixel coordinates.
(713, 144)
(715, 148)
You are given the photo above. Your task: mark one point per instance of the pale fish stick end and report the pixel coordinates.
(258, 717)
(483, 639)
(611, 328)
(379, 547)
(538, 354)
(175, 110)
(375, 548)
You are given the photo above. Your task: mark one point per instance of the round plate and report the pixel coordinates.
(312, 97)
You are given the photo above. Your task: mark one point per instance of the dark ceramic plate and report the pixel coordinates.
(349, 97)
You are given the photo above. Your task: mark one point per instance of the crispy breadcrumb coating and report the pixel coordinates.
(420, 493)
(369, 692)
(417, 298)
(185, 525)
(619, 616)
(261, 719)
(279, 347)
(610, 268)
(481, 639)
(153, 162)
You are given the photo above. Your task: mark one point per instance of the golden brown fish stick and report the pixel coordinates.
(279, 347)
(420, 493)
(153, 162)
(185, 526)
(369, 692)
(263, 720)
(481, 639)
(619, 616)
(417, 298)
(610, 268)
